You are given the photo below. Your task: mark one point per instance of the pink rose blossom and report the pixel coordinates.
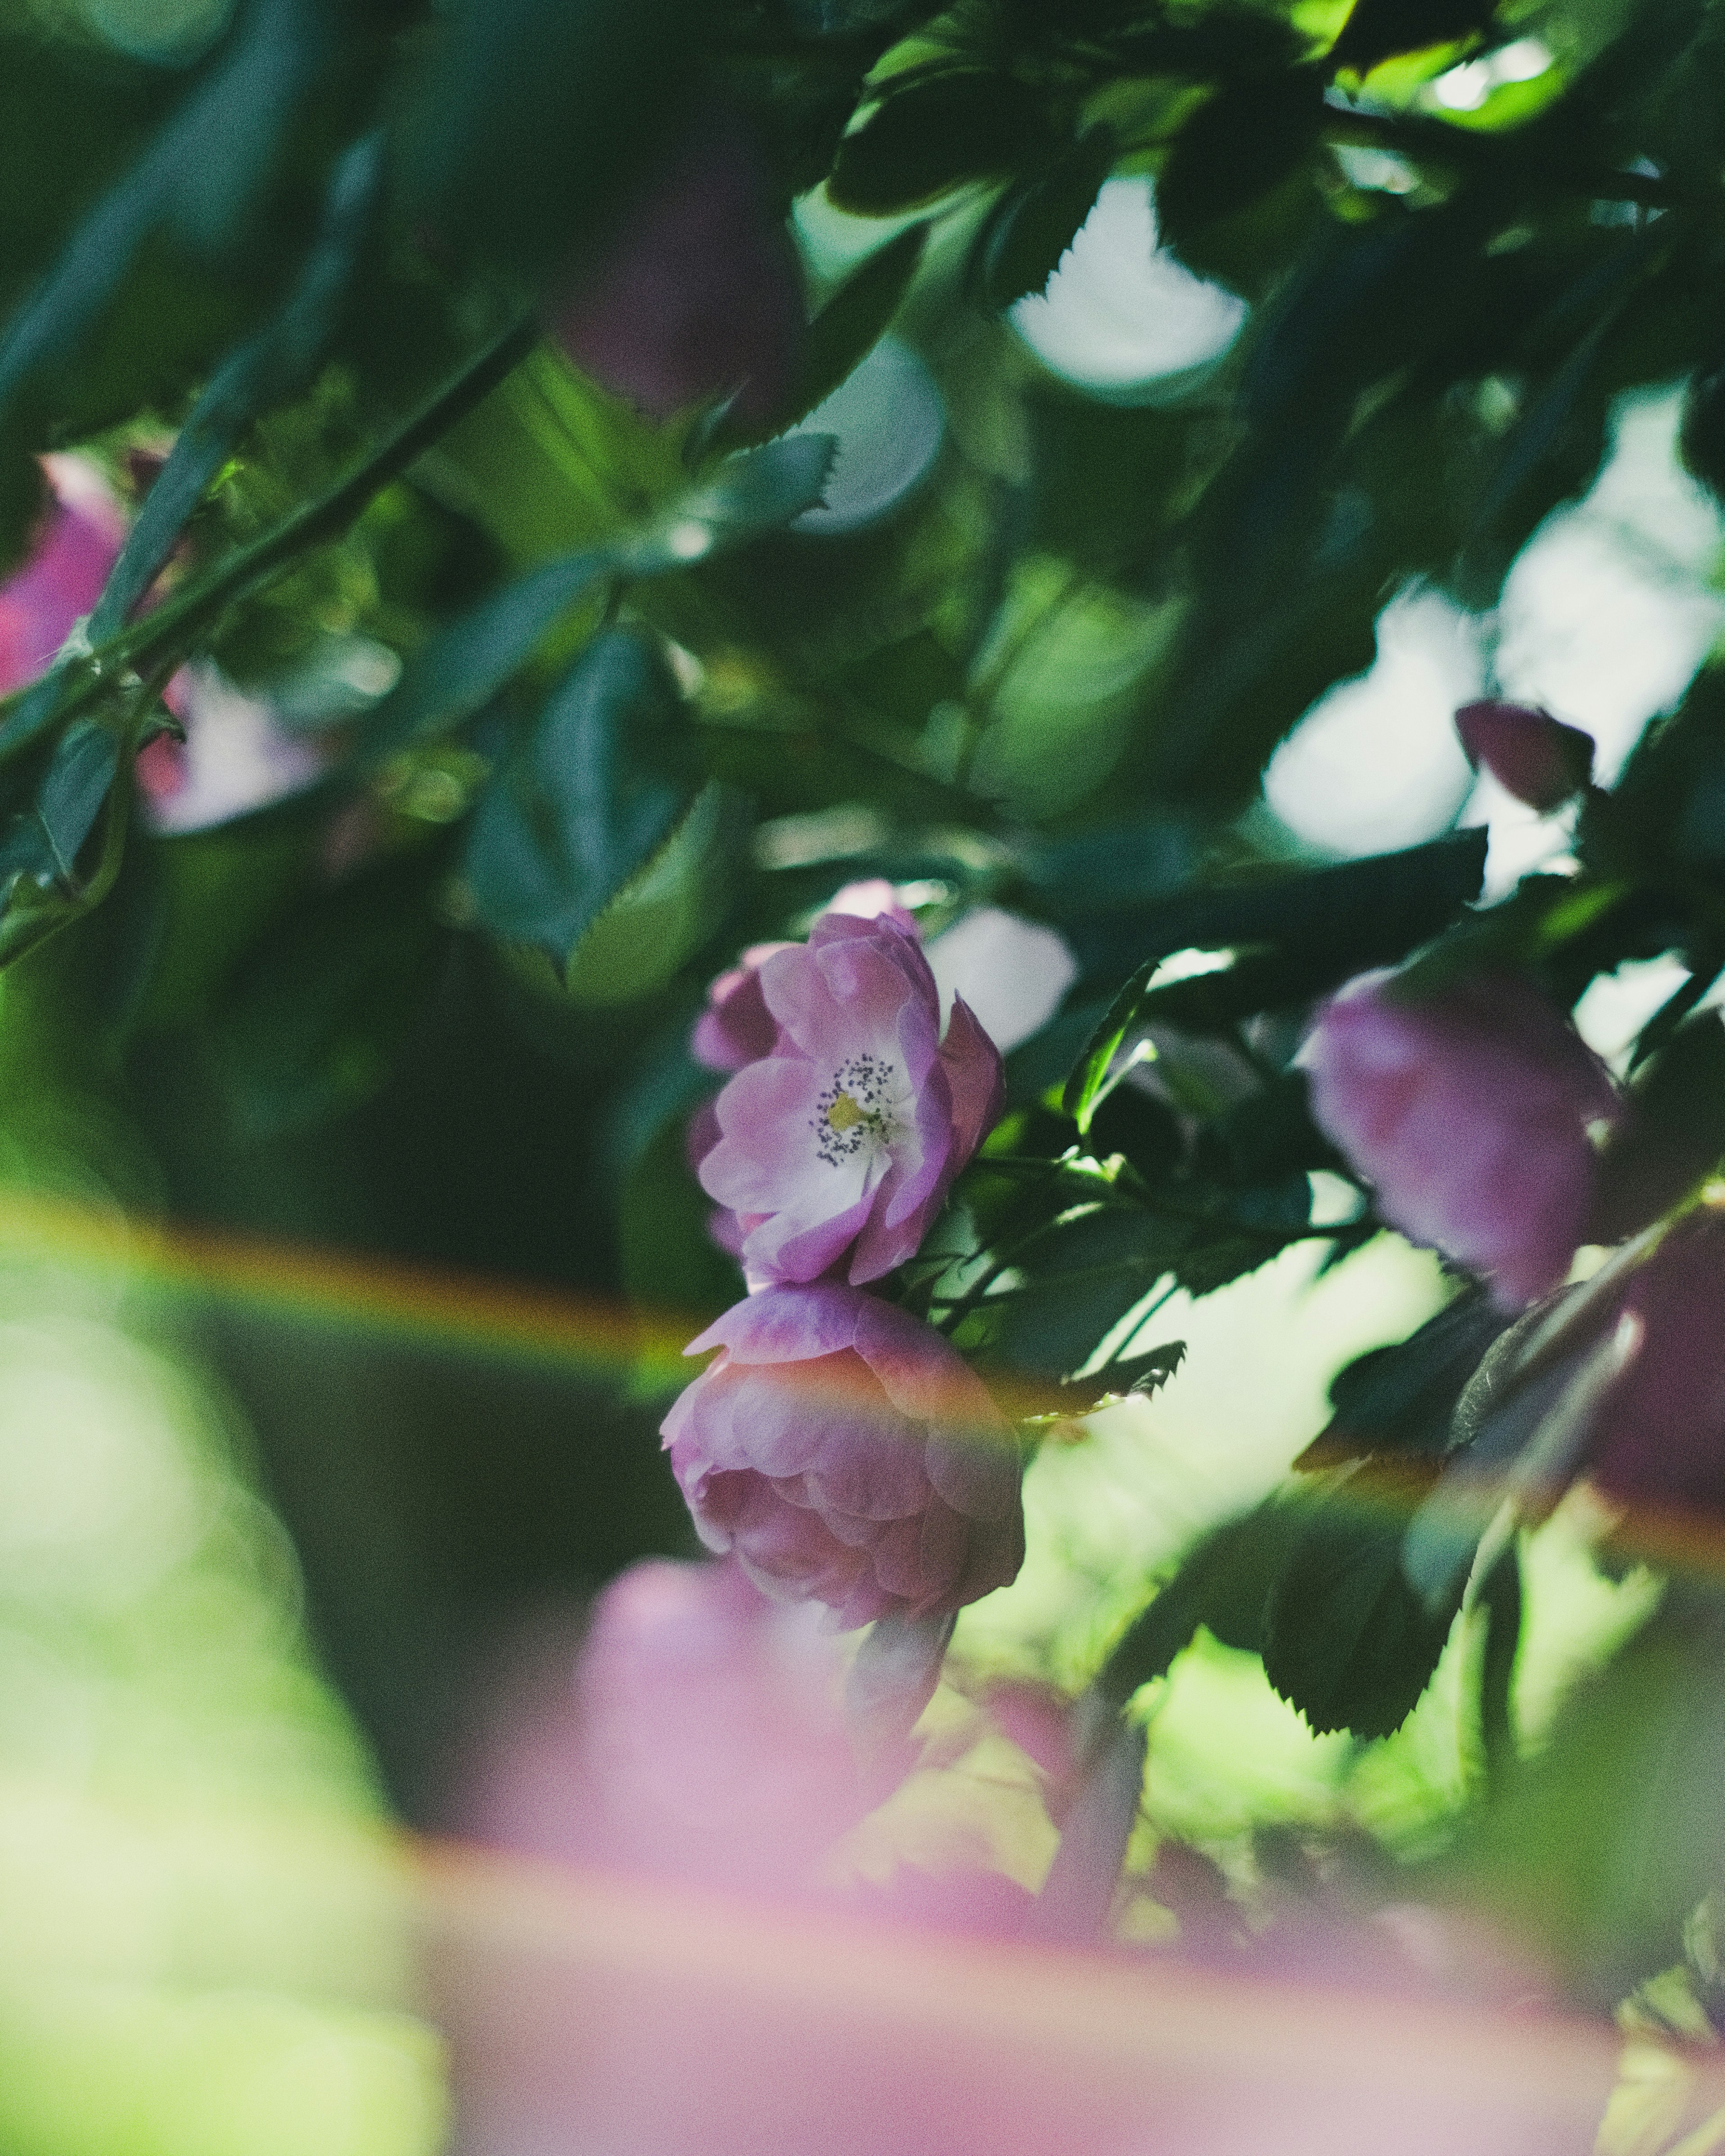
(844, 1453)
(700, 294)
(235, 757)
(737, 1026)
(1528, 753)
(699, 1735)
(1468, 1112)
(1660, 1435)
(77, 545)
(846, 1138)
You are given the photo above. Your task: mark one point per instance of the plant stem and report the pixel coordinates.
(66, 693)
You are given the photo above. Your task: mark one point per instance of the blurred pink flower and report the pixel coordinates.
(1469, 1111)
(76, 546)
(1528, 753)
(235, 757)
(845, 1454)
(847, 1137)
(1659, 1439)
(700, 1735)
(700, 294)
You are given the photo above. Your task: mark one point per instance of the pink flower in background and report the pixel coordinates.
(1468, 1112)
(699, 1734)
(846, 1138)
(845, 1454)
(235, 757)
(1530, 754)
(77, 545)
(1660, 1435)
(700, 294)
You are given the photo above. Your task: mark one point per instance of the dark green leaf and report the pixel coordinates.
(1030, 229)
(1402, 1399)
(200, 176)
(1673, 1134)
(758, 491)
(1222, 1584)
(1377, 28)
(848, 326)
(463, 668)
(580, 808)
(1235, 148)
(320, 1010)
(1325, 925)
(1145, 1374)
(944, 129)
(1347, 1641)
(536, 119)
(269, 368)
(78, 776)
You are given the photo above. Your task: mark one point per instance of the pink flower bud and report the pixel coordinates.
(846, 1138)
(1528, 753)
(700, 293)
(847, 1455)
(1469, 1111)
(76, 545)
(1660, 1438)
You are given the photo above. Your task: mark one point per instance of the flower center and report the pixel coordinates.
(855, 1113)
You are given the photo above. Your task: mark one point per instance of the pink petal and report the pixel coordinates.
(975, 1078)
(784, 1324)
(757, 1167)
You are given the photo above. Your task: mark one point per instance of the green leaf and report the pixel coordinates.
(1376, 29)
(321, 1008)
(463, 668)
(1325, 925)
(849, 326)
(1402, 1399)
(966, 124)
(1235, 148)
(1346, 1639)
(1222, 1583)
(200, 178)
(535, 119)
(1144, 1374)
(580, 807)
(1030, 229)
(271, 368)
(1673, 1134)
(758, 491)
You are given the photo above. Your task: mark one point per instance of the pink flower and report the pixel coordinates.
(1528, 753)
(737, 1026)
(700, 293)
(847, 1136)
(1660, 1436)
(236, 757)
(699, 1735)
(77, 545)
(846, 1454)
(1470, 1113)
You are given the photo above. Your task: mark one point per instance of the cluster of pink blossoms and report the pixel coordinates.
(838, 1446)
